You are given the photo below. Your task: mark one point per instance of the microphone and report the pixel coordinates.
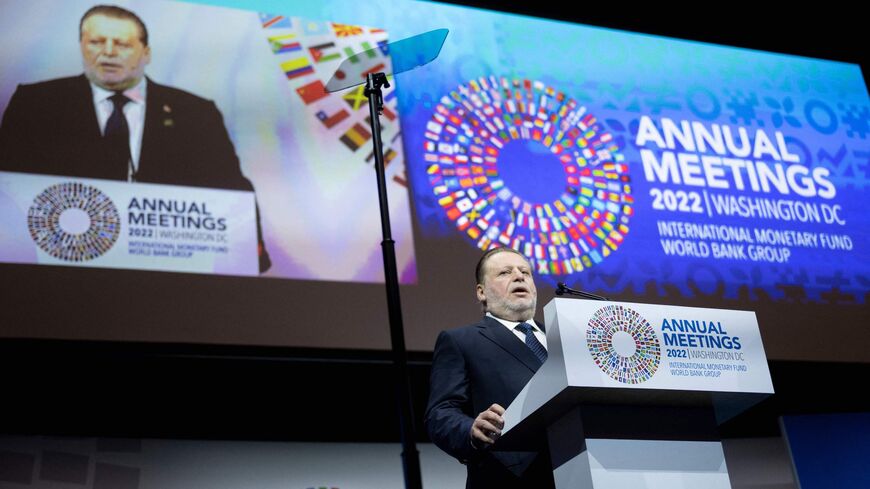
(563, 289)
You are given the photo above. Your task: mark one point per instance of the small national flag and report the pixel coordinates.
(356, 98)
(297, 67)
(331, 120)
(284, 44)
(319, 55)
(275, 21)
(344, 30)
(313, 28)
(368, 50)
(384, 47)
(389, 114)
(311, 92)
(356, 136)
(389, 156)
(356, 56)
(378, 67)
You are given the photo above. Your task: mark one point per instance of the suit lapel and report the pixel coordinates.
(84, 100)
(498, 334)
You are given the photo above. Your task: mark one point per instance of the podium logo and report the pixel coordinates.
(623, 344)
(73, 222)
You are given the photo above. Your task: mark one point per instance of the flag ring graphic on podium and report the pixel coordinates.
(582, 220)
(632, 367)
(73, 222)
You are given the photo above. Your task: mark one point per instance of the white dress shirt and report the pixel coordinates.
(511, 325)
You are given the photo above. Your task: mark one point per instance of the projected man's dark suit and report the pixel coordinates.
(51, 128)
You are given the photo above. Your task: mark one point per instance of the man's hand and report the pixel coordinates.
(487, 426)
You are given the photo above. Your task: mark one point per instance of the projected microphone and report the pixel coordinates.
(563, 289)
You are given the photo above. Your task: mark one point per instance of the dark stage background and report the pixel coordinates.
(182, 390)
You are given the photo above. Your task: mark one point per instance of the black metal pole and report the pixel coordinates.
(410, 455)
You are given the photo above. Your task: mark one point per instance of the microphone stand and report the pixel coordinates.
(563, 289)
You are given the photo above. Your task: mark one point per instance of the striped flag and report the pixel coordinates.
(286, 43)
(318, 52)
(389, 114)
(388, 156)
(356, 136)
(331, 120)
(297, 67)
(275, 21)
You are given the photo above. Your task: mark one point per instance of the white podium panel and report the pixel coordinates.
(652, 464)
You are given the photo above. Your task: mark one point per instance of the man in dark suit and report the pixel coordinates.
(113, 123)
(479, 369)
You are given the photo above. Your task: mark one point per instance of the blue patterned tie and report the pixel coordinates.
(532, 342)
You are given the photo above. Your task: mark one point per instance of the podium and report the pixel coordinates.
(631, 395)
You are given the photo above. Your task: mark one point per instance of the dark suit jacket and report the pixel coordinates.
(51, 128)
(472, 368)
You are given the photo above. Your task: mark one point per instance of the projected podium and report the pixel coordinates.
(88, 222)
(631, 394)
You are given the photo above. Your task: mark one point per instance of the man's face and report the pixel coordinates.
(508, 288)
(112, 53)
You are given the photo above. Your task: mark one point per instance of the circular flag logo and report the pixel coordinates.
(516, 163)
(73, 222)
(623, 344)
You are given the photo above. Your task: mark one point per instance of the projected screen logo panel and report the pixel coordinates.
(708, 171)
(233, 100)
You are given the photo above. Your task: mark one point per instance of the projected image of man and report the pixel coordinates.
(113, 122)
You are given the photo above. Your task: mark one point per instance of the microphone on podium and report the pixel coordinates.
(563, 289)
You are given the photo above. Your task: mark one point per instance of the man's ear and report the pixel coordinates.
(480, 295)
